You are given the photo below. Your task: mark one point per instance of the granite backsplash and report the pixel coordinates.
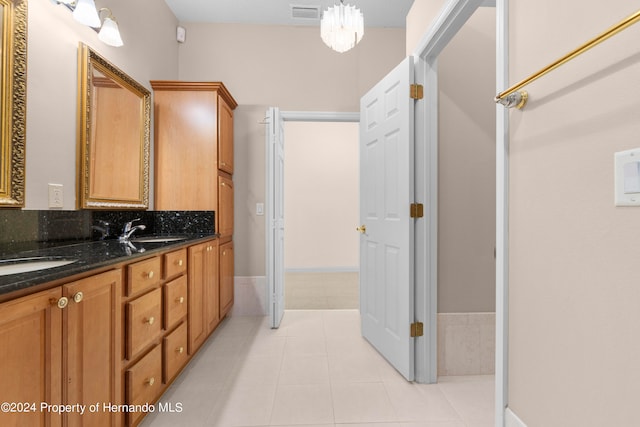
(33, 229)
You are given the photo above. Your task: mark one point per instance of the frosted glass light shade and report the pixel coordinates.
(86, 13)
(342, 27)
(109, 33)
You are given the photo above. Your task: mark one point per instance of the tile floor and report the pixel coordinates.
(315, 371)
(321, 291)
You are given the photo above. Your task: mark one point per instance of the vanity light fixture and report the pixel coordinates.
(342, 27)
(109, 32)
(85, 12)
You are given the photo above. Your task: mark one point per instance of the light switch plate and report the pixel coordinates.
(56, 196)
(181, 34)
(627, 178)
(260, 209)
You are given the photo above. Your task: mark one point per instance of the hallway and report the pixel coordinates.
(316, 371)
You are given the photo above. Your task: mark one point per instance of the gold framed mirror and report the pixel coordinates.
(113, 136)
(13, 98)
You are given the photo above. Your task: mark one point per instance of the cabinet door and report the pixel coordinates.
(31, 355)
(225, 206)
(226, 278)
(196, 295)
(211, 287)
(92, 327)
(186, 149)
(225, 136)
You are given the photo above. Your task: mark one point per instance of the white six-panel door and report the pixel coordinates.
(386, 192)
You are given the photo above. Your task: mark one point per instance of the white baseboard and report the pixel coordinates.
(250, 298)
(347, 269)
(512, 420)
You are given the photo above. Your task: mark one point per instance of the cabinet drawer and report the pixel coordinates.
(175, 263)
(144, 321)
(143, 275)
(175, 352)
(143, 381)
(175, 301)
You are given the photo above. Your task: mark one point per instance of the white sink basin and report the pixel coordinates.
(25, 265)
(157, 239)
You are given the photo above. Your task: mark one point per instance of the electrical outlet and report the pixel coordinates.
(56, 196)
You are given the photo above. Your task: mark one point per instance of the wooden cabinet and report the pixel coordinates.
(225, 206)
(91, 365)
(193, 135)
(204, 313)
(156, 308)
(31, 355)
(225, 135)
(61, 346)
(226, 277)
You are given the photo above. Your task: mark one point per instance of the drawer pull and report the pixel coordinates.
(180, 350)
(180, 300)
(179, 262)
(150, 275)
(78, 297)
(150, 320)
(61, 302)
(151, 381)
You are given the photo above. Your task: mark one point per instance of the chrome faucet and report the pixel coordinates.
(103, 229)
(129, 229)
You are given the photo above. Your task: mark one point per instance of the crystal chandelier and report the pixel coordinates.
(342, 27)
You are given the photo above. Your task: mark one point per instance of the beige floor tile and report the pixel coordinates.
(302, 404)
(416, 402)
(243, 406)
(311, 369)
(254, 371)
(305, 346)
(472, 397)
(361, 403)
(353, 367)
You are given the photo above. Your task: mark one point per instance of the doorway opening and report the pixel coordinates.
(467, 199)
(321, 205)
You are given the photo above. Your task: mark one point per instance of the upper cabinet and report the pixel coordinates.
(193, 138)
(225, 136)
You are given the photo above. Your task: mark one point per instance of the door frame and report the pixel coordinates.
(451, 18)
(272, 197)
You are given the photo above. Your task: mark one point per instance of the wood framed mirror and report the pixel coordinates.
(13, 98)
(113, 136)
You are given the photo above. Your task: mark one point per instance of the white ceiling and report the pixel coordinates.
(377, 13)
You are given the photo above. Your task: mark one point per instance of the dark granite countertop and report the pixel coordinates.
(90, 255)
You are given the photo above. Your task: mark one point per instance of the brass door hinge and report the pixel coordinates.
(416, 210)
(417, 329)
(416, 91)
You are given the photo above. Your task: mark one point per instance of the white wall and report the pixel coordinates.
(573, 255)
(287, 67)
(467, 168)
(321, 196)
(150, 52)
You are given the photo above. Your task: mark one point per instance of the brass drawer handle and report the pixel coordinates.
(62, 302)
(151, 381)
(150, 320)
(180, 300)
(179, 262)
(78, 297)
(150, 275)
(180, 350)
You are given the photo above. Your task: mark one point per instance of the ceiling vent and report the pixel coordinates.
(305, 12)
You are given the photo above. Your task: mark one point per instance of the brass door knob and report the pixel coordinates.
(150, 275)
(180, 300)
(179, 263)
(180, 350)
(150, 320)
(78, 297)
(362, 229)
(150, 381)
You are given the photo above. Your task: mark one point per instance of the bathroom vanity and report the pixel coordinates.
(112, 327)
